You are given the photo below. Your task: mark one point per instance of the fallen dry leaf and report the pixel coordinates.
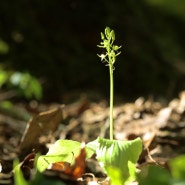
(71, 171)
(27, 165)
(44, 123)
(78, 169)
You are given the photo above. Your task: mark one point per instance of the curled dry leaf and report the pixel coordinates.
(42, 124)
(68, 171)
(27, 165)
(59, 166)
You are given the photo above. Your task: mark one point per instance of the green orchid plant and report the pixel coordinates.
(118, 158)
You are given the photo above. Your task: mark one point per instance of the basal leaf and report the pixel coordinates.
(18, 175)
(64, 147)
(61, 150)
(116, 175)
(154, 175)
(45, 160)
(122, 155)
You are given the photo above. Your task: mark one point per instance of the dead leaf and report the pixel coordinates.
(71, 172)
(163, 116)
(27, 165)
(59, 166)
(42, 124)
(78, 169)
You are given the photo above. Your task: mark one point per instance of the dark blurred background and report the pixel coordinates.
(56, 41)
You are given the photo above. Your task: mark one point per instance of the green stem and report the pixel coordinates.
(111, 101)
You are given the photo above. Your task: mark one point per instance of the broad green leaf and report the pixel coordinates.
(93, 145)
(177, 167)
(154, 175)
(116, 175)
(61, 150)
(121, 155)
(38, 178)
(18, 176)
(62, 147)
(41, 179)
(45, 160)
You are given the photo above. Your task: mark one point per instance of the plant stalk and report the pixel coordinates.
(111, 119)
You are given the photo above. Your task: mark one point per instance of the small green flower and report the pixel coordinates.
(102, 56)
(111, 50)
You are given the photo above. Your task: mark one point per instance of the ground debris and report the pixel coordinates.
(161, 126)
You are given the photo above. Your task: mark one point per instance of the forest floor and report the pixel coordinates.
(160, 125)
